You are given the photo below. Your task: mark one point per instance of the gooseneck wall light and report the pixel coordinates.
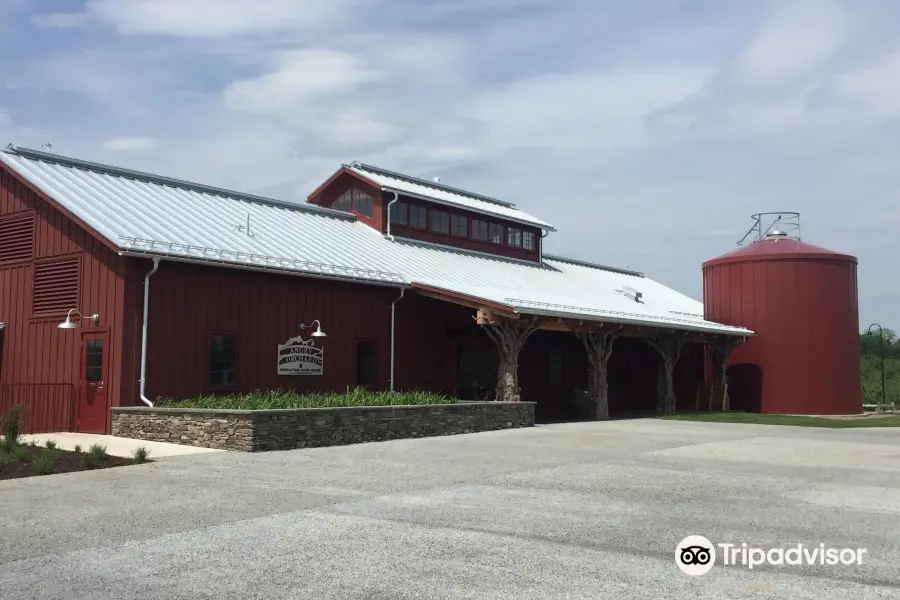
(70, 324)
(318, 333)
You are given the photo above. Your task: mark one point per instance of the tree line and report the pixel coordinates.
(871, 348)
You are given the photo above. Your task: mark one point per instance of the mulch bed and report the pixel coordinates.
(66, 462)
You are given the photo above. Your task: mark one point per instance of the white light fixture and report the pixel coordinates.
(318, 332)
(70, 324)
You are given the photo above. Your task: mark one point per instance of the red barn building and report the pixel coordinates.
(172, 289)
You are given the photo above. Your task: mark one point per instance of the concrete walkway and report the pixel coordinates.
(115, 446)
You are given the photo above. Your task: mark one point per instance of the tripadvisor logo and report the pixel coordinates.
(695, 555)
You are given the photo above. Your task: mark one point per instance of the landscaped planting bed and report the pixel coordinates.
(27, 460)
(286, 420)
(274, 400)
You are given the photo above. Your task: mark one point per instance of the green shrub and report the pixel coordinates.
(89, 461)
(77, 448)
(141, 455)
(11, 435)
(19, 453)
(43, 464)
(98, 451)
(50, 444)
(5, 459)
(286, 399)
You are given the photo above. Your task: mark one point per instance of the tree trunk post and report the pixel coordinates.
(598, 345)
(719, 351)
(509, 336)
(669, 349)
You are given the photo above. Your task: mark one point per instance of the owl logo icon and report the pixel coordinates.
(695, 555)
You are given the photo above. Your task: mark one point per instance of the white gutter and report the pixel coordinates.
(393, 332)
(544, 234)
(389, 236)
(144, 398)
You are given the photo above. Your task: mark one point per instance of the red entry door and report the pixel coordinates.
(93, 401)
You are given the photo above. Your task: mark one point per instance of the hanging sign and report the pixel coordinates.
(300, 357)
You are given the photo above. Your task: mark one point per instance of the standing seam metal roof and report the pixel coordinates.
(442, 194)
(149, 215)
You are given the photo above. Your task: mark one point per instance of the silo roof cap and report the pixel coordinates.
(779, 249)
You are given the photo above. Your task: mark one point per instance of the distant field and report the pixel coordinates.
(737, 417)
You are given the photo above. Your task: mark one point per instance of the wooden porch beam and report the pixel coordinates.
(468, 303)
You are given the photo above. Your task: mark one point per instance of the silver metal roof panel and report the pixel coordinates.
(149, 215)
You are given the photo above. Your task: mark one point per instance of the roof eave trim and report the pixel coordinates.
(132, 253)
(486, 213)
(632, 321)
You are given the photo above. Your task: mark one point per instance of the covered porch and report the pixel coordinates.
(587, 367)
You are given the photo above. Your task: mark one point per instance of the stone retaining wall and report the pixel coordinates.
(256, 430)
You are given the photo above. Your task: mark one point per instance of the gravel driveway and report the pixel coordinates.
(591, 510)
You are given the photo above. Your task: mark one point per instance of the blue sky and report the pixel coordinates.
(646, 131)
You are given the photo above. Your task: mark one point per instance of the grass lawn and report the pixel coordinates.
(280, 399)
(799, 421)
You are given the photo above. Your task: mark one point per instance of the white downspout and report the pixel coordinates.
(393, 332)
(144, 398)
(390, 237)
(544, 233)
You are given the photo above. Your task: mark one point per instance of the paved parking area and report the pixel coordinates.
(589, 510)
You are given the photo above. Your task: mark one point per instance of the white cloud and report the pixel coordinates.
(572, 112)
(356, 129)
(877, 85)
(301, 76)
(666, 127)
(215, 18)
(799, 35)
(130, 143)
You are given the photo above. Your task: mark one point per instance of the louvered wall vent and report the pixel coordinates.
(17, 237)
(56, 286)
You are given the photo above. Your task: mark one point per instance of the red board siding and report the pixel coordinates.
(188, 302)
(46, 408)
(326, 196)
(34, 350)
(804, 313)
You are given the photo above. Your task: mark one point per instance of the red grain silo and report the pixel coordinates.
(801, 301)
